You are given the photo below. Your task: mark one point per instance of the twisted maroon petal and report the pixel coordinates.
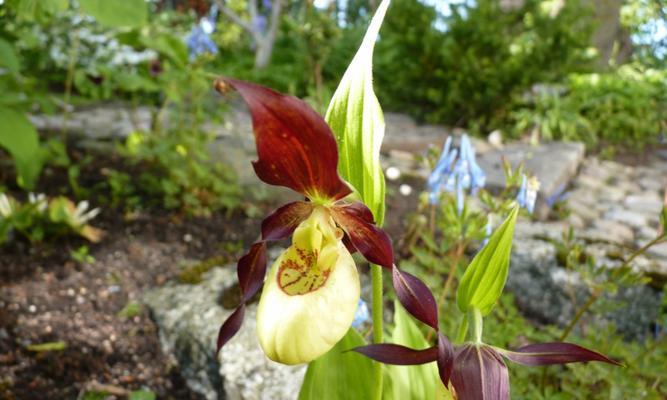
(295, 146)
(282, 222)
(416, 297)
(251, 269)
(396, 354)
(372, 242)
(445, 358)
(554, 353)
(230, 327)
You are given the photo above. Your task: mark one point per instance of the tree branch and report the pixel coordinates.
(236, 19)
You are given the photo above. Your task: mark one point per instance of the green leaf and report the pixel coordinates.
(413, 381)
(20, 139)
(117, 13)
(141, 395)
(8, 57)
(339, 374)
(40, 10)
(484, 279)
(356, 119)
(49, 346)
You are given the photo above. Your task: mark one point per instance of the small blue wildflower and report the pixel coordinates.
(361, 315)
(488, 231)
(199, 42)
(465, 173)
(527, 195)
(259, 23)
(266, 4)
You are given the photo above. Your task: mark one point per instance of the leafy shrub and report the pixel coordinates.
(626, 106)
(482, 56)
(175, 172)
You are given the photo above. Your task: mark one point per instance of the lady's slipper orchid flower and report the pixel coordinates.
(311, 293)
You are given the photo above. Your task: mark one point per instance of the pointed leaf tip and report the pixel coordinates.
(554, 353)
(295, 146)
(395, 354)
(416, 297)
(230, 327)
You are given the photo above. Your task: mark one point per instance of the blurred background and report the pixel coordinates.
(127, 195)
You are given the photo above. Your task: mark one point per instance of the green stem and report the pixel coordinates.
(476, 324)
(69, 81)
(376, 280)
(463, 330)
(580, 313)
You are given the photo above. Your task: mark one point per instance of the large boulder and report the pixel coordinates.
(188, 318)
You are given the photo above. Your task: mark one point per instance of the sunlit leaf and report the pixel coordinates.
(19, 138)
(414, 382)
(340, 374)
(8, 57)
(484, 279)
(356, 119)
(117, 13)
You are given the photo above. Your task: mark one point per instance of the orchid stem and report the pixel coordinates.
(377, 306)
(476, 323)
(463, 330)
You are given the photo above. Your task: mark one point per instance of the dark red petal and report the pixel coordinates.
(295, 146)
(230, 326)
(554, 353)
(251, 269)
(282, 222)
(480, 374)
(396, 354)
(445, 358)
(360, 210)
(416, 297)
(348, 244)
(372, 242)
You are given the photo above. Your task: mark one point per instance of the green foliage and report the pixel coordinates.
(19, 138)
(48, 346)
(116, 13)
(131, 310)
(175, 172)
(340, 374)
(356, 119)
(39, 219)
(479, 60)
(415, 382)
(626, 106)
(82, 255)
(484, 279)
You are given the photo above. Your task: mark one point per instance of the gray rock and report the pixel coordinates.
(554, 164)
(188, 318)
(101, 122)
(630, 218)
(609, 231)
(647, 203)
(549, 293)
